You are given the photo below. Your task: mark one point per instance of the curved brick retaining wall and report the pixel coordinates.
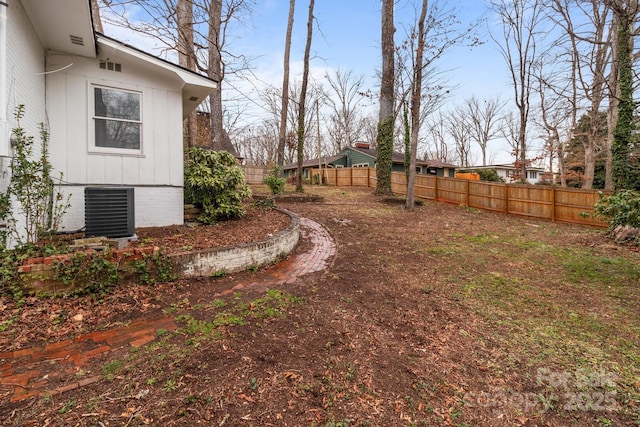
(237, 258)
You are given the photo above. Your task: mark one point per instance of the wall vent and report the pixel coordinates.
(76, 40)
(111, 66)
(109, 211)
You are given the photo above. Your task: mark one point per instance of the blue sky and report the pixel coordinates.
(347, 36)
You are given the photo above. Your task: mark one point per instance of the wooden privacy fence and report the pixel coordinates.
(537, 201)
(255, 174)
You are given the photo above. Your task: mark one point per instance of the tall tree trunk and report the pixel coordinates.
(303, 96)
(520, 21)
(407, 141)
(612, 114)
(416, 98)
(216, 72)
(95, 15)
(186, 59)
(384, 140)
(282, 132)
(561, 166)
(622, 134)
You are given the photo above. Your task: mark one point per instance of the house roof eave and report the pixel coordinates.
(195, 87)
(63, 25)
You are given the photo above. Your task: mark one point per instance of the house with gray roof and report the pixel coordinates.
(362, 155)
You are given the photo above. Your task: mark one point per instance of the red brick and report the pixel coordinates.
(58, 345)
(24, 269)
(6, 355)
(25, 352)
(142, 340)
(64, 388)
(19, 379)
(96, 336)
(23, 394)
(6, 372)
(62, 353)
(88, 381)
(37, 354)
(96, 351)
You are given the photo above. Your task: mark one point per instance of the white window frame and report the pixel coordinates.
(360, 165)
(92, 121)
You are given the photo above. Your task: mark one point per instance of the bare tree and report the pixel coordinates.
(591, 49)
(558, 119)
(95, 16)
(614, 96)
(483, 119)
(511, 134)
(461, 134)
(439, 148)
(256, 143)
(416, 98)
(314, 95)
(345, 98)
(303, 97)
(436, 31)
(187, 59)
(521, 22)
(216, 71)
(211, 21)
(282, 133)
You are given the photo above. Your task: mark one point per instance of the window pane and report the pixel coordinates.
(116, 104)
(117, 134)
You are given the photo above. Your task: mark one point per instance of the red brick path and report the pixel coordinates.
(40, 370)
(316, 259)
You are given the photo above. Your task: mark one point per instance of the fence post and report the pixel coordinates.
(553, 204)
(467, 195)
(435, 188)
(506, 198)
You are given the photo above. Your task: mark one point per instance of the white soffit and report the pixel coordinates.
(63, 25)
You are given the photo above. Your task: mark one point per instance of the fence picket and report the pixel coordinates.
(571, 205)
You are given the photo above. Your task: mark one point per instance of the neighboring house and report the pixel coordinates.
(114, 113)
(361, 155)
(509, 171)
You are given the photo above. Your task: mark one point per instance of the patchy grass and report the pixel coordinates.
(440, 316)
(568, 309)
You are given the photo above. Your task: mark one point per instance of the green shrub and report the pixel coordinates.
(39, 205)
(490, 175)
(215, 183)
(274, 181)
(620, 208)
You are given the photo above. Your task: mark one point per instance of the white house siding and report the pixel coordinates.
(25, 67)
(25, 84)
(156, 174)
(25, 81)
(504, 174)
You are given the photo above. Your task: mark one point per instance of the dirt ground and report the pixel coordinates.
(395, 333)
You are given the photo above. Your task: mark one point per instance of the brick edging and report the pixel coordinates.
(231, 259)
